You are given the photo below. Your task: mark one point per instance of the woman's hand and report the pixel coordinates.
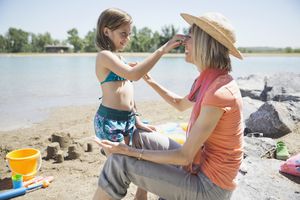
(132, 64)
(176, 41)
(112, 147)
(148, 78)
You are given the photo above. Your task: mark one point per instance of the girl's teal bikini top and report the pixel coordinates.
(113, 77)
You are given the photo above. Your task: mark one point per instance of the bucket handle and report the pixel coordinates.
(30, 174)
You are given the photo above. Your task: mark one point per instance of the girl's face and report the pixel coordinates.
(120, 37)
(188, 44)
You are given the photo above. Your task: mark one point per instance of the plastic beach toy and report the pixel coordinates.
(174, 131)
(43, 183)
(282, 151)
(17, 181)
(25, 162)
(291, 166)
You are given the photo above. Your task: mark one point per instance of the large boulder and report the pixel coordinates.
(259, 147)
(250, 106)
(274, 119)
(281, 87)
(260, 179)
(251, 86)
(276, 87)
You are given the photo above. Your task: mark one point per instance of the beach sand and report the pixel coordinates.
(73, 179)
(77, 179)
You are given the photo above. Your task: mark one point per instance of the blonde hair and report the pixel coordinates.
(208, 52)
(112, 18)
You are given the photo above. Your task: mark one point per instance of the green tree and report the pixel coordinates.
(38, 42)
(75, 40)
(288, 50)
(18, 40)
(89, 41)
(133, 45)
(167, 33)
(144, 37)
(3, 44)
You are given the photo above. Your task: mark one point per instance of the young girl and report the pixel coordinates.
(116, 117)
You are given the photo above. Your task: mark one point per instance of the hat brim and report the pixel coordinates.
(213, 32)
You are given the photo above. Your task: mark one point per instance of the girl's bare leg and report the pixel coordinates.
(101, 195)
(140, 194)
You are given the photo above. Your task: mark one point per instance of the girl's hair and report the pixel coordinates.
(208, 52)
(111, 18)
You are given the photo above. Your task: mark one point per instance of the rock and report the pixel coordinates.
(259, 147)
(276, 87)
(262, 180)
(272, 118)
(250, 106)
(282, 87)
(251, 86)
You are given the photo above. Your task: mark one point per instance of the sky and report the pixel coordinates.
(265, 23)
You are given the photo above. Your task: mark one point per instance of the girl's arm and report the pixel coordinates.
(140, 125)
(201, 130)
(178, 102)
(107, 59)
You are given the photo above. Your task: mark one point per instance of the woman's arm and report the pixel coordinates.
(178, 102)
(203, 127)
(107, 59)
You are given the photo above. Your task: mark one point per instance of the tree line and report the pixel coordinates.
(142, 40)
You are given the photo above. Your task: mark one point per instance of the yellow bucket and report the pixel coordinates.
(26, 162)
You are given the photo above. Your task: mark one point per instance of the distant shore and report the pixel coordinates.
(142, 54)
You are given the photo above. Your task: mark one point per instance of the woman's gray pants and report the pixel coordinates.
(167, 181)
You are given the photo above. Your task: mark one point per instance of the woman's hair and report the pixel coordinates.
(208, 52)
(111, 18)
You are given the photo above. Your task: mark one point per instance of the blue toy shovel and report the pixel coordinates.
(18, 192)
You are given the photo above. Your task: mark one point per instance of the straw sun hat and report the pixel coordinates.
(218, 27)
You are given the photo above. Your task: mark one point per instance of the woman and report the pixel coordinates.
(211, 156)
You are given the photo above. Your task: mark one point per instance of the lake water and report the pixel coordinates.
(30, 85)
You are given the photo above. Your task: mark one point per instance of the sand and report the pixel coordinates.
(73, 179)
(77, 179)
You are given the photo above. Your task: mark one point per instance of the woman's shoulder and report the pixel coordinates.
(224, 88)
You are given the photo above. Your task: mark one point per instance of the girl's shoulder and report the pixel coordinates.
(106, 56)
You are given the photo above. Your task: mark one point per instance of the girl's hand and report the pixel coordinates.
(146, 127)
(112, 147)
(176, 41)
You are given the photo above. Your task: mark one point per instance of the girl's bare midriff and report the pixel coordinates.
(118, 95)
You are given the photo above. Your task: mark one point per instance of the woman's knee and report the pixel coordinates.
(137, 139)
